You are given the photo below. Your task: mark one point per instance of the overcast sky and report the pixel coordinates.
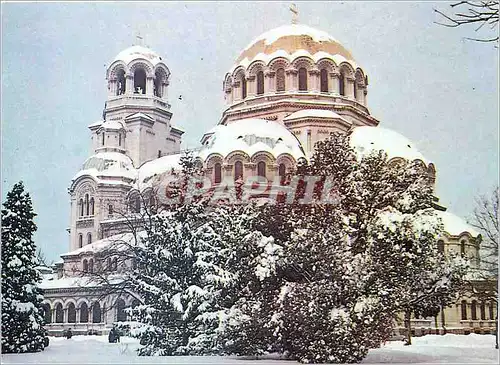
(426, 82)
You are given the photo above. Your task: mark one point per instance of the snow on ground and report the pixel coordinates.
(470, 349)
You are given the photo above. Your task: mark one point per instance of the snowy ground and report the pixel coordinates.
(471, 349)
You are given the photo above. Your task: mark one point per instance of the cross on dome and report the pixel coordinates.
(295, 13)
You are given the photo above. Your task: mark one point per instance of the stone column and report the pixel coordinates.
(164, 90)
(149, 85)
(270, 81)
(251, 85)
(129, 84)
(249, 169)
(291, 79)
(112, 87)
(314, 80)
(227, 169)
(349, 87)
(335, 82)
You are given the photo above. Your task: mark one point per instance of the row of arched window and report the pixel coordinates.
(140, 85)
(238, 170)
(303, 82)
(111, 265)
(86, 206)
(474, 310)
(80, 239)
(86, 314)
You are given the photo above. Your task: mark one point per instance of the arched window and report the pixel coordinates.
(483, 310)
(492, 310)
(473, 310)
(280, 79)
(260, 83)
(462, 248)
(238, 170)
(96, 313)
(441, 246)
(59, 313)
(323, 76)
(261, 169)
(84, 313)
(342, 84)
(121, 315)
(355, 89)
(87, 211)
(91, 265)
(282, 172)
(89, 238)
(85, 265)
(139, 81)
(108, 264)
(217, 173)
(463, 308)
(80, 204)
(137, 204)
(159, 153)
(91, 206)
(103, 138)
(302, 79)
(80, 240)
(110, 209)
(119, 139)
(47, 315)
(115, 264)
(71, 313)
(243, 87)
(120, 83)
(158, 84)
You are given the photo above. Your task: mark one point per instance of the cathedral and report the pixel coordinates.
(289, 88)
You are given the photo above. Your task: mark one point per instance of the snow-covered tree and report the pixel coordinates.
(352, 263)
(22, 313)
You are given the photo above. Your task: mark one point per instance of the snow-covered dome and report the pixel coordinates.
(366, 139)
(251, 136)
(108, 164)
(291, 41)
(137, 52)
(151, 169)
(454, 225)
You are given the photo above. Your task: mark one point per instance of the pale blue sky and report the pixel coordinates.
(426, 82)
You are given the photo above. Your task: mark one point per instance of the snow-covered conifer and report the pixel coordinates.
(22, 313)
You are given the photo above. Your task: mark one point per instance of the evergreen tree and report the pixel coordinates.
(22, 313)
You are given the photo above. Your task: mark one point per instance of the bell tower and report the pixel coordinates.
(137, 117)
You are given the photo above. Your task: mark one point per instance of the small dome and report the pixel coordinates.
(289, 39)
(108, 164)
(251, 136)
(366, 139)
(137, 52)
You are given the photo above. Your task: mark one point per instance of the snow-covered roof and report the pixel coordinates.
(118, 242)
(251, 136)
(96, 124)
(454, 225)
(314, 113)
(292, 41)
(75, 282)
(108, 164)
(135, 52)
(366, 139)
(157, 167)
(112, 125)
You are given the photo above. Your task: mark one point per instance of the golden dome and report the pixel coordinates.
(289, 39)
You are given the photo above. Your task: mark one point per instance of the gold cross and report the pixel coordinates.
(295, 13)
(140, 39)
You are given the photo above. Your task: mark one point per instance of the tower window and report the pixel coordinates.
(120, 83)
(342, 84)
(483, 310)
(238, 170)
(91, 265)
(491, 310)
(463, 308)
(260, 83)
(159, 153)
(217, 173)
(80, 240)
(324, 80)
(280, 79)
(282, 172)
(91, 206)
(462, 248)
(89, 238)
(159, 78)
(473, 310)
(261, 169)
(80, 203)
(110, 209)
(243, 87)
(87, 204)
(302, 79)
(103, 138)
(355, 90)
(140, 81)
(85, 266)
(119, 139)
